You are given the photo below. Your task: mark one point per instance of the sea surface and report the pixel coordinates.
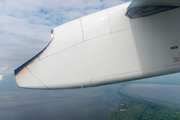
(94, 103)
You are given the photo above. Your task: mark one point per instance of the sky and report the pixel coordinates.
(25, 27)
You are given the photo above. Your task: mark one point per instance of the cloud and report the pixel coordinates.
(52, 13)
(1, 77)
(6, 70)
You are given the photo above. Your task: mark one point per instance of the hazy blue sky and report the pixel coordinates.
(24, 31)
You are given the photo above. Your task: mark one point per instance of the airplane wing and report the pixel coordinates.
(143, 8)
(107, 47)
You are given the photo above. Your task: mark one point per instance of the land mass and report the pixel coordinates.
(135, 109)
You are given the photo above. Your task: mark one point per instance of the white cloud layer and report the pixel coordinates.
(6, 70)
(1, 77)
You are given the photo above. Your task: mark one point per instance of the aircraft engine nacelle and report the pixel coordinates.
(104, 48)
